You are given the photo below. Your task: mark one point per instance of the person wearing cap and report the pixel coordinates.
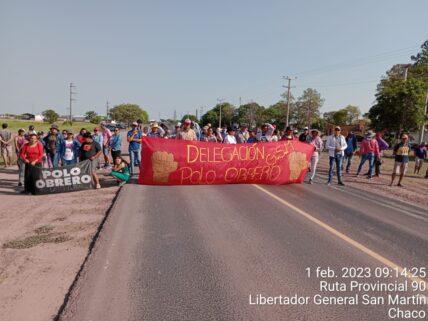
(54, 143)
(134, 139)
(230, 137)
(187, 133)
(303, 137)
(315, 140)
(336, 144)
(106, 144)
(266, 133)
(351, 141)
(369, 149)
(156, 132)
(288, 135)
(401, 154)
(70, 149)
(31, 131)
(252, 136)
(91, 150)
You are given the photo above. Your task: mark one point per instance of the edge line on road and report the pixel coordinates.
(342, 236)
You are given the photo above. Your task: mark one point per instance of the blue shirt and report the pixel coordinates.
(135, 145)
(116, 142)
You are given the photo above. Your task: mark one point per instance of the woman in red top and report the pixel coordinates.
(32, 155)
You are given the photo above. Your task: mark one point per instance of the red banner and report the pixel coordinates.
(180, 162)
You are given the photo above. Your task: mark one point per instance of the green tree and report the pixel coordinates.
(421, 57)
(251, 114)
(50, 116)
(399, 105)
(89, 115)
(307, 108)
(191, 117)
(212, 116)
(96, 119)
(353, 114)
(128, 113)
(340, 117)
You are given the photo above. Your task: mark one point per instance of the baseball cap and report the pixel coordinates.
(187, 121)
(134, 123)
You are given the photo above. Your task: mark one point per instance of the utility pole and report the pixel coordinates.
(175, 115)
(219, 101)
(421, 135)
(107, 110)
(288, 97)
(196, 114)
(71, 99)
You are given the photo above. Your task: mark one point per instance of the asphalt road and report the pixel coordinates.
(199, 252)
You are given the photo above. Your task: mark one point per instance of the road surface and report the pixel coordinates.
(199, 252)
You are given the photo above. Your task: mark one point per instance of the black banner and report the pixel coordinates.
(62, 179)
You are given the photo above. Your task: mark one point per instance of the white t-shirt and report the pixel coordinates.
(230, 139)
(69, 153)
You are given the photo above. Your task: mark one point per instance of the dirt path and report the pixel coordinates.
(43, 242)
(415, 188)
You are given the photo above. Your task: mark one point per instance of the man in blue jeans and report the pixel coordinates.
(134, 139)
(336, 144)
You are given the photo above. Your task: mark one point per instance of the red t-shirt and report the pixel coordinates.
(32, 153)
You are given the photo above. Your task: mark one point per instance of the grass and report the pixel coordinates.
(14, 125)
(42, 235)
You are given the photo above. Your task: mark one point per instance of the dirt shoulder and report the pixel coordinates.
(43, 242)
(415, 190)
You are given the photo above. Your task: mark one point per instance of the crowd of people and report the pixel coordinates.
(60, 148)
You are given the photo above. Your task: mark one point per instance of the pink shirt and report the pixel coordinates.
(106, 136)
(369, 146)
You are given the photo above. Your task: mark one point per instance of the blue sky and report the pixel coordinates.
(184, 55)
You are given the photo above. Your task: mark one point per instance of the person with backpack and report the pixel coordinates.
(369, 149)
(54, 143)
(351, 141)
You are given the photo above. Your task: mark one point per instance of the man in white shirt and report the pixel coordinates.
(336, 144)
(230, 137)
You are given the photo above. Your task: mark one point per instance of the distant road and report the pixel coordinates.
(199, 252)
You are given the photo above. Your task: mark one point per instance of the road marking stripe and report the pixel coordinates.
(342, 236)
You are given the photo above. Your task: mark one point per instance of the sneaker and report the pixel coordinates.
(369, 177)
(399, 185)
(310, 181)
(122, 183)
(328, 183)
(98, 186)
(341, 183)
(19, 184)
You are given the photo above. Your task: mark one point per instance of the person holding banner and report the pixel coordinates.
(230, 137)
(91, 150)
(187, 133)
(32, 155)
(70, 149)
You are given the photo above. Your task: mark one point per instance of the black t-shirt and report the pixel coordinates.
(88, 150)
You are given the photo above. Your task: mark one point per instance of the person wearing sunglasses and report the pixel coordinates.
(115, 144)
(336, 144)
